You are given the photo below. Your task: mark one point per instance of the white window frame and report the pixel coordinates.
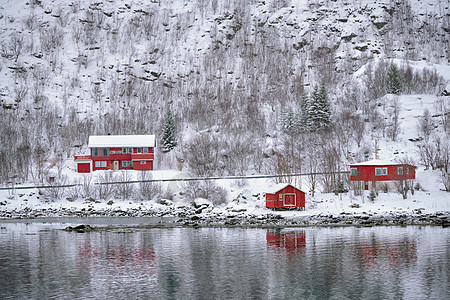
(130, 163)
(354, 171)
(378, 171)
(143, 162)
(130, 150)
(385, 171)
(399, 170)
(124, 164)
(97, 164)
(104, 163)
(124, 150)
(139, 150)
(96, 152)
(145, 150)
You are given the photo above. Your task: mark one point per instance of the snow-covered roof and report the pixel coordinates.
(121, 141)
(275, 188)
(377, 162)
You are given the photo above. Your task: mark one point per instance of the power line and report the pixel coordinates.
(176, 180)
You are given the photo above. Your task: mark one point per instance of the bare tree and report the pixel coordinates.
(148, 190)
(125, 189)
(104, 188)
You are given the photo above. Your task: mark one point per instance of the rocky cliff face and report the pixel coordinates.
(97, 67)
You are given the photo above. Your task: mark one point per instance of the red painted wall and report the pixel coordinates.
(83, 167)
(125, 157)
(273, 200)
(367, 173)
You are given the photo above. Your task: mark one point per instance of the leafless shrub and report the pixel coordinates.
(125, 189)
(55, 188)
(148, 190)
(87, 186)
(202, 154)
(51, 38)
(14, 47)
(104, 188)
(204, 189)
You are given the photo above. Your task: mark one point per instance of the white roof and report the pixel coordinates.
(275, 188)
(377, 162)
(99, 141)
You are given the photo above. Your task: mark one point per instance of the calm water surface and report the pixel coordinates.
(40, 261)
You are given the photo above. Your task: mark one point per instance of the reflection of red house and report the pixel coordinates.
(285, 196)
(118, 152)
(378, 170)
(291, 241)
(392, 253)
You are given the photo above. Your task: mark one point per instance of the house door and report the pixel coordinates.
(116, 165)
(289, 200)
(366, 185)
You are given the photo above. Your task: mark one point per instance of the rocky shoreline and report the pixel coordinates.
(243, 219)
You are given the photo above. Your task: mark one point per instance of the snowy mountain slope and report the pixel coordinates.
(227, 69)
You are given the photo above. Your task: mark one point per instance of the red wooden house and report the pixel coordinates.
(377, 170)
(285, 196)
(118, 152)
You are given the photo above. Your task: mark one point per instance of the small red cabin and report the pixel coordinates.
(378, 170)
(285, 196)
(118, 152)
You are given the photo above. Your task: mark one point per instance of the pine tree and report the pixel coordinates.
(303, 116)
(288, 122)
(169, 133)
(319, 113)
(393, 81)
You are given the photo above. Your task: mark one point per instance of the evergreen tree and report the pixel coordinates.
(169, 133)
(319, 113)
(303, 116)
(287, 122)
(393, 80)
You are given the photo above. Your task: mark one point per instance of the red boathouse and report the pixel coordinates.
(377, 170)
(285, 196)
(118, 152)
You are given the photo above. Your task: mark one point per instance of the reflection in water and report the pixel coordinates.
(40, 261)
(292, 241)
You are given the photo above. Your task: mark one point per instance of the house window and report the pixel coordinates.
(124, 164)
(354, 171)
(139, 150)
(112, 152)
(377, 171)
(400, 170)
(97, 164)
(95, 151)
(143, 162)
(103, 164)
(118, 152)
(124, 150)
(145, 149)
(130, 163)
(105, 151)
(130, 150)
(384, 171)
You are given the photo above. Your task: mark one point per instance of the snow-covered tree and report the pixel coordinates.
(393, 80)
(168, 140)
(319, 112)
(304, 112)
(288, 122)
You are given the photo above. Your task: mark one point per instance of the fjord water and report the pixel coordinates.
(41, 261)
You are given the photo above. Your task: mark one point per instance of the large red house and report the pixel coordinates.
(118, 152)
(377, 170)
(285, 196)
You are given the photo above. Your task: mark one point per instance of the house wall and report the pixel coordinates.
(130, 156)
(367, 173)
(272, 200)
